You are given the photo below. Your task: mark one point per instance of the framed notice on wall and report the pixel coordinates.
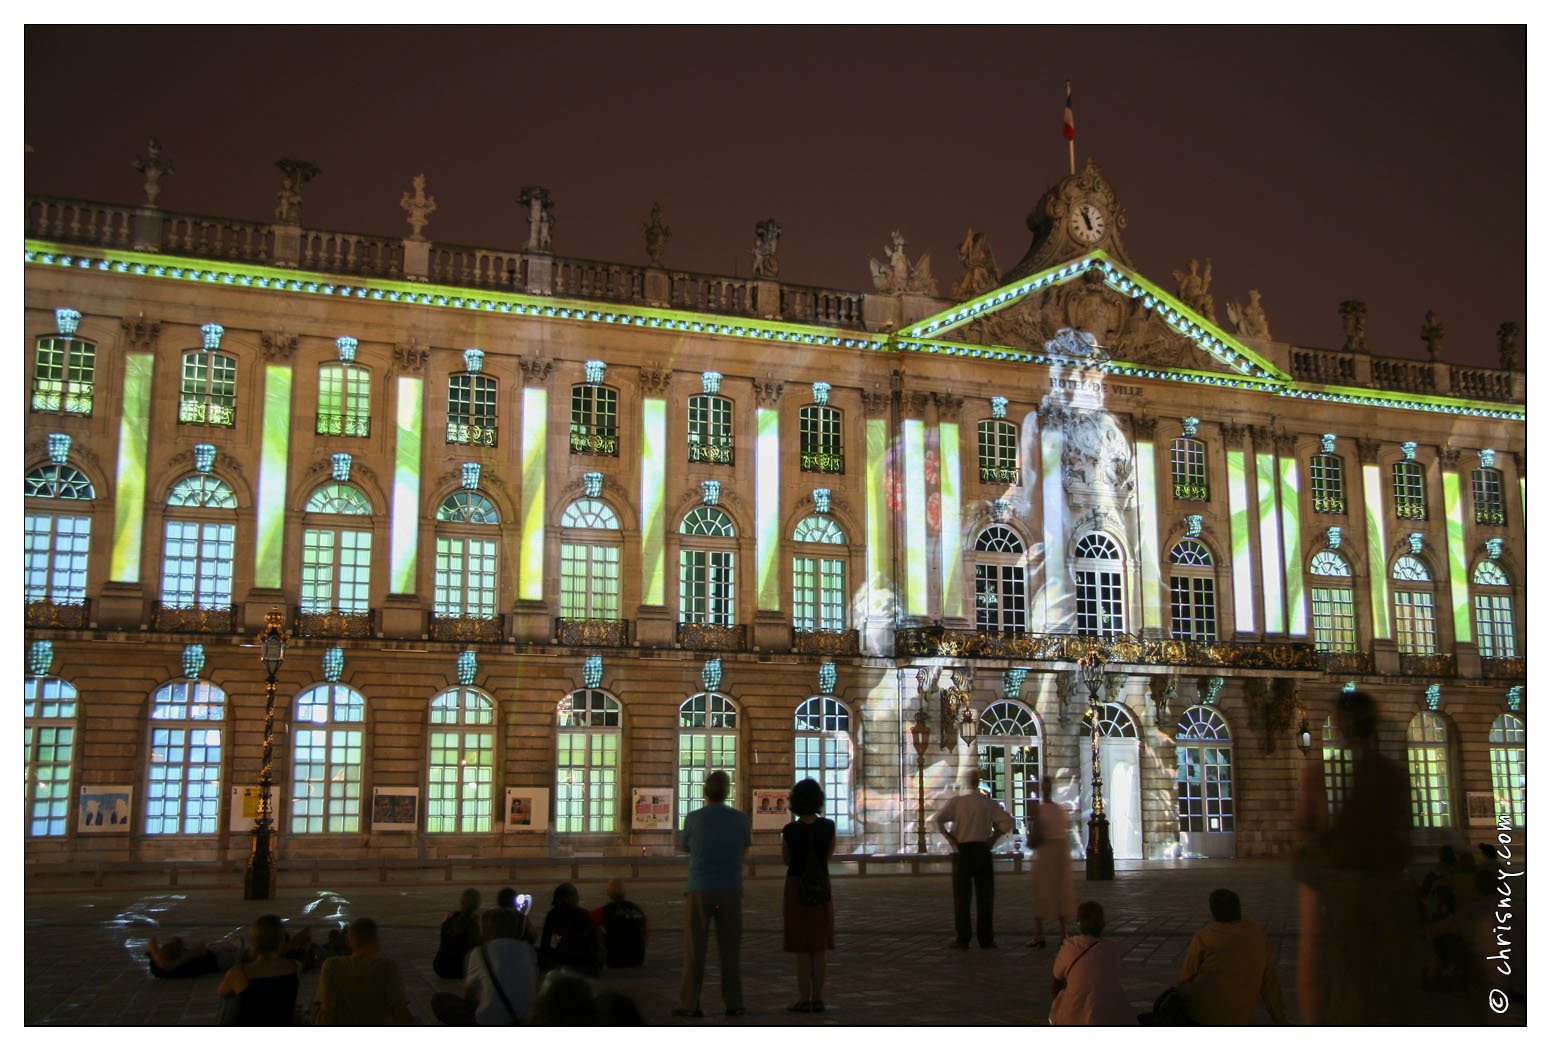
(1481, 808)
(104, 808)
(651, 808)
(395, 809)
(770, 808)
(527, 809)
(245, 807)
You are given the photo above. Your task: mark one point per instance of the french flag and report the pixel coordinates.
(1068, 122)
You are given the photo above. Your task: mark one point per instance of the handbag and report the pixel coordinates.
(1058, 984)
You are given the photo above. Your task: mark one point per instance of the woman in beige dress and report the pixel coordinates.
(1054, 896)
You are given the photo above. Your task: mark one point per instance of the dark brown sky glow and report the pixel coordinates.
(1386, 165)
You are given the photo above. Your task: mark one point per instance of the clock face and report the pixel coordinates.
(1087, 223)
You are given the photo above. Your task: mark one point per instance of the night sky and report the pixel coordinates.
(1386, 165)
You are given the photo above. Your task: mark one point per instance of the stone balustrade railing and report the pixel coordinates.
(1352, 369)
(1325, 366)
(1413, 377)
(1490, 384)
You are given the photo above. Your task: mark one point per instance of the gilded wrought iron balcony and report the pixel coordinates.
(46, 613)
(216, 620)
(711, 452)
(823, 461)
(1411, 509)
(1191, 491)
(1004, 472)
(468, 629)
(1330, 505)
(61, 396)
(1490, 514)
(1347, 662)
(826, 642)
(334, 623)
(344, 424)
(1502, 667)
(1430, 665)
(591, 631)
(726, 638)
(216, 411)
(937, 641)
(470, 430)
(594, 443)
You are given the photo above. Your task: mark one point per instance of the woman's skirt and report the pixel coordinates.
(805, 928)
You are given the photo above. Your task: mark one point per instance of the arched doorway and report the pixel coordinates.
(1205, 793)
(1120, 752)
(1008, 750)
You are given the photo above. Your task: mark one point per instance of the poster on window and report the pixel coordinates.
(770, 808)
(245, 807)
(1481, 807)
(527, 809)
(651, 808)
(395, 809)
(105, 808)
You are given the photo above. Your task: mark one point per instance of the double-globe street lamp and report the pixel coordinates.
(1101, 855)
(258, 881)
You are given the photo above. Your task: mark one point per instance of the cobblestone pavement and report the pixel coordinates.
(893, 965)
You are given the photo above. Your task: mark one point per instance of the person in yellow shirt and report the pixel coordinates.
(1228, 966)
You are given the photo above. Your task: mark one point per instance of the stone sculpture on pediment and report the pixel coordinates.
(980, 270)
(1354, 320)
(541, 217)
(1095, 453)
(656, 236)
(1249, 320)
(288, 199)
(897, 274)
(1195, 289)
(767, 240)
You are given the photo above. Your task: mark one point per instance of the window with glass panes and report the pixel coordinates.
(209, 390)
(708, 741)
(1414, 625)
(326, 760)
(1100, 602)
(344, 400)
(998, 451)
(63, 375)
(710, 429)
(818, 581)
(56, 545)
(1410, 498)
(1188, 459)
(1008, 750)
(48, 726)
(1337, 760)
(467, 563)
(587, 763)
(183, 778)
(1327, 485)
(707, 587)
(1427, 756)
(594, 420)
(197, 554)
(336, 561)
(461, 776)
(1001, 581)
(1506, 744)
(823, 752)
(471, 409)
(1193, 592)
(1204, 751)
(818, 432)
(1335, 622)
(1495, 637)
(1486, 490)
(589, 570)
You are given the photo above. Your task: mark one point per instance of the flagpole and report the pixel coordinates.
(1069, 129)
(1071, 157)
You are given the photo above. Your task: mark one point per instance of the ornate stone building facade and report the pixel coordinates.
(552, 538)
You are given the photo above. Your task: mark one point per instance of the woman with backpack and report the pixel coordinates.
(460, 933)
(807, 911)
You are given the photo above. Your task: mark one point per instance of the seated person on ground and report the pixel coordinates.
(1228, 966)
(266, 988)
(570, 938)
(624, 927)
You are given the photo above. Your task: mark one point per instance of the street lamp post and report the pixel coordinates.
(1101, 855)
(918, 738)
(258, 881)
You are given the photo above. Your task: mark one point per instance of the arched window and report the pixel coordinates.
(337, 559)
(823, 749)
(1120, 761)
(818, 576)
(459, 793)
(1205, 755)
(998, 452)
(1493, 595)
(471, 402)
(710, 429)
(48, 720)
(1337, 760)
(1193, 591)
(1415, 627)
(200, 544)
(708, 741)
(64, 371)
(1010, 755)
(344, 400)
(1486, 490)
(1427, 755)
(1335, 621)
(589, 561)
(1327, 484)
(594, 420)
(587, 763)
(467, 559)
(1506, 742)
(56, 536)
(327, 759)
(707, 584)
(1410, 496)
(818, 432)
(1100, 600)
(209, 390)
(1188, 459)
(1001, 581)
(183, 782)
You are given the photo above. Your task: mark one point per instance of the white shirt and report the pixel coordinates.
(517, 967)
(974, 816)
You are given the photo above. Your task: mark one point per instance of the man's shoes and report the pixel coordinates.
(961, 946)
(688, 1012)
(801, 1007)
(988, 945)
(816, 1006)
(735, 1012)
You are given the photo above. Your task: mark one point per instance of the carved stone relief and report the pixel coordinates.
(768, 392)
(140, 335)
(410, 357)
(654, 381)
(278, 346)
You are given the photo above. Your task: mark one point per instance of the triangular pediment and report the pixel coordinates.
(1125, 318)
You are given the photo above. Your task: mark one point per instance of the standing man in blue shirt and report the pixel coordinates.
(716, 837)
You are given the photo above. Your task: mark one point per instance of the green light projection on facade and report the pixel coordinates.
(1147, 553)
(952, 547)
(1292, 545)
(877, 518)
(535, 420)
(1270, 542)
(1238, 532)
(1459, 583)
(654, 451)
(405, 529)
(129, 486)
(913, 433)
(1055, 606)
(272, 464)
(767, 506)
(1378, 574)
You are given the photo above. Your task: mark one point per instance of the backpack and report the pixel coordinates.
(457, 940)
(624, 932)
(813, 884)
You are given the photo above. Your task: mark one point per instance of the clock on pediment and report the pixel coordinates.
(1076, 215)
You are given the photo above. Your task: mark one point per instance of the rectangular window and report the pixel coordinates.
(1508, 776)
(49, 753)
(594, 421)
(1494, 626)
(586, 781)
(1328, 487)
(326, 782)
(1098, 604)
(183, 789)
(1429, 786)
(1194, 604)
(1486, 487)
(1205, 788)
(1410, 499)
(465, 577)
(589, 581)
(54, 558)
(826, 757)
(818, 594)
(344, 401)
(998, 452)
(706, 594)
(1188, 457)
(699, 754)
(197, 565)
(209, 393)
(1335, 625)
(1338, 775)
(63, 374)
(470, 409)
(459, 783)
(326, 587)
(1000, 605)
(1414, 630)
(818, 429)
(710, 430)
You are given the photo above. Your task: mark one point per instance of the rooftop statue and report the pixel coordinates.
(1354, 318)
(1194, 289)
(899, 274)
(656, 235)
(980, 271)
(1432, 335)
(288, 199)
(417, 208)
(1249, 320)
(541, 220)
(1508, 345)
(153, 167)
(767, 237)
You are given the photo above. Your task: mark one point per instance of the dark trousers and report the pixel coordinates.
(724, 907)
(972, 869)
